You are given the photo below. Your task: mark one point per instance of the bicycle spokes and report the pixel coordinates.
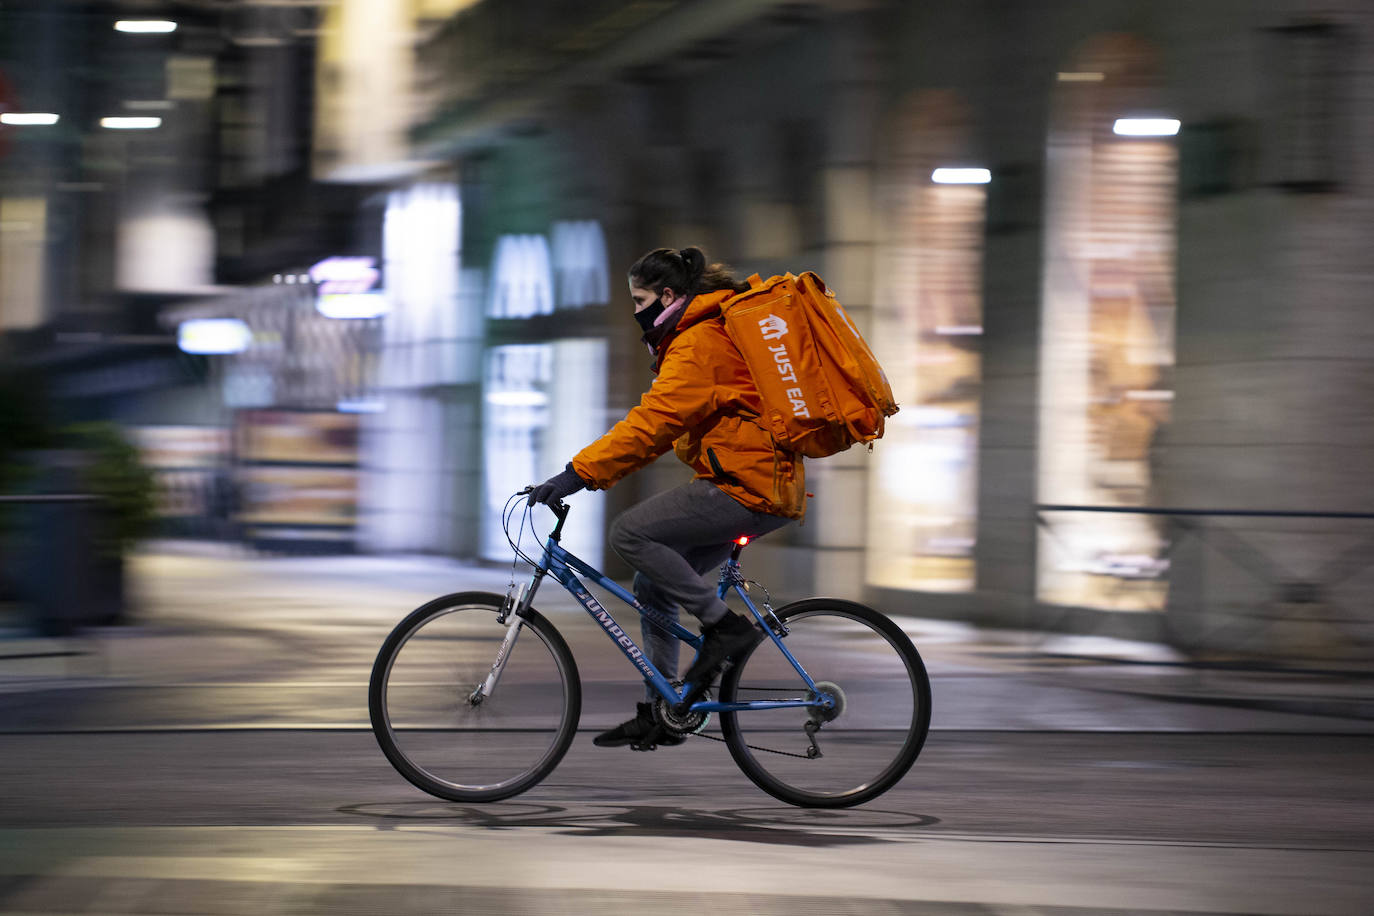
(867, 714)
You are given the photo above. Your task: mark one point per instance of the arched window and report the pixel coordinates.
(928, 333)
(1107, 344)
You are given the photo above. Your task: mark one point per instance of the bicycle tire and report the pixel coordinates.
(870, 659)
(424, 675)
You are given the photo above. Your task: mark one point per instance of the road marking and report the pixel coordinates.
(999, 871)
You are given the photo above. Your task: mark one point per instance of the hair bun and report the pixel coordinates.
(695, 262)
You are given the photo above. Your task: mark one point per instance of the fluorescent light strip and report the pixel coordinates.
(27, 118)
(527, 398)
(1080, 76)
(130, 123)
(1145, 127)
(359, 405)
(145, 26)
(961, 176)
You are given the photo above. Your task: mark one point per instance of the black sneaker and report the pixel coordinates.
(730, 635)
(636, 731)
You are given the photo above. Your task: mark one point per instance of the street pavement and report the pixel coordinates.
(213, 756)
(227, 639)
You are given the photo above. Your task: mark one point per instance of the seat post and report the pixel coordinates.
(740, 543)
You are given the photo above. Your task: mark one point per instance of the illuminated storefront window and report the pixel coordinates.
(521, 277)
(412, 486)
(515, 413)
(541, 404)
(1107, 349)
(923, 495)
(533, 274)
(580, 273)
(543, 401)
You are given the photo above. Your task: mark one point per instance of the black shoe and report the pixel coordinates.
(729, 636)
(639, 732)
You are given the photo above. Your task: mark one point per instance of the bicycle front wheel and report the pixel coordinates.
(865, 743)
(436, 731)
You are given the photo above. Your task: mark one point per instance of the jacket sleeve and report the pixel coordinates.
(681, 397)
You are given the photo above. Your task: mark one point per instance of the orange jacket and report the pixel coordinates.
(704, 405)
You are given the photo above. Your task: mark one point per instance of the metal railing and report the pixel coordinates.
(1305, 598)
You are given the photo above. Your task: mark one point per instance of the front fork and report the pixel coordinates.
(518, 599)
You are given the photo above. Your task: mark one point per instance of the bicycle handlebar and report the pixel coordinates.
(559, 508)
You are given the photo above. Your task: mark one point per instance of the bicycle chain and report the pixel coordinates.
(752, 747)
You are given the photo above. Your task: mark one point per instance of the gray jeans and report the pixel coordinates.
(674, 540)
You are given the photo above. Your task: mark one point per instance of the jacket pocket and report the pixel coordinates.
(716, 468)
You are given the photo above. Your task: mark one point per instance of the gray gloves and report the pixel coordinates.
(564, 483)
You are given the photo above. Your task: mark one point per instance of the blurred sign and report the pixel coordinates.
(297, 436)
(301, 497)
(299, 474)
(345, 275)
(213, 336)
(344, 288)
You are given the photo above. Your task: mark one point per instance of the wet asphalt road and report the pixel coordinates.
(214, 759)
(317, 821)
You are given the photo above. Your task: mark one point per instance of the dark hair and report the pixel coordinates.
(685, 271)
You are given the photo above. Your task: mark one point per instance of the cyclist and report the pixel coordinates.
(703, 404)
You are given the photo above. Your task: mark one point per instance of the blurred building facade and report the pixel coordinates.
(1134, 374)
(1116, 326)
(202, 206)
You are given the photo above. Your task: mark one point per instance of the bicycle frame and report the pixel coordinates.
(564, 566)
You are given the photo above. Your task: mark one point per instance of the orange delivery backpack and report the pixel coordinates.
(822, 388)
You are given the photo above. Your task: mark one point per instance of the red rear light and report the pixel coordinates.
(742, 541)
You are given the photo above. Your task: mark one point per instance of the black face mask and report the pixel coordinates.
(649, 314)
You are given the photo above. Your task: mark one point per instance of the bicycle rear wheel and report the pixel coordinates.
(867, 742)
(420, 700)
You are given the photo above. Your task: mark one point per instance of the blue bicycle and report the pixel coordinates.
(476, 697)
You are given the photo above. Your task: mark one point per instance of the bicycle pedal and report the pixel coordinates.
(647, 746)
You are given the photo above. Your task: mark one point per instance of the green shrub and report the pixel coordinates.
(115, 474)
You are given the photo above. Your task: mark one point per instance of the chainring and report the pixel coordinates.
(691, 723)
